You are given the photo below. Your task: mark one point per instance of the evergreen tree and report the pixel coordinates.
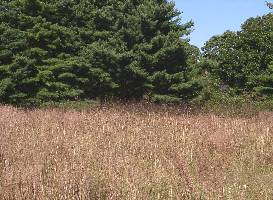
(40, 43)
(77, 49)
(145, 53)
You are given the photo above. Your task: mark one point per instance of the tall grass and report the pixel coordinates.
(134, 152)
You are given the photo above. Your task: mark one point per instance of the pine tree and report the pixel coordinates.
(77, 49)
(40, 42)
(145, 52)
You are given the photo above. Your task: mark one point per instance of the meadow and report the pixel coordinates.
(134, 151)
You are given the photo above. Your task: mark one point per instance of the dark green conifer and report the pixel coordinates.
(78, 49)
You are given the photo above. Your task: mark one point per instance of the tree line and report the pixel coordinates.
(125, 49)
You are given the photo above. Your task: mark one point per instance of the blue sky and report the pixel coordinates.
(213, 17)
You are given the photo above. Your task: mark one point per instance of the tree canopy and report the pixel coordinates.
(244, 58)
(78, 49)
(125, 49)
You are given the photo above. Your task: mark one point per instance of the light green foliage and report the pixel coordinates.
(264, 83)
(244, 58)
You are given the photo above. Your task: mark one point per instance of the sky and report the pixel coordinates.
(214, 17)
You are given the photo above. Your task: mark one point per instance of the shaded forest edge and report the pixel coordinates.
(73, 53)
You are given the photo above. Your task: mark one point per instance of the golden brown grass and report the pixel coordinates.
(134, 152)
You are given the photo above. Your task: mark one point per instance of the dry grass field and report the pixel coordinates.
(134, 152)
